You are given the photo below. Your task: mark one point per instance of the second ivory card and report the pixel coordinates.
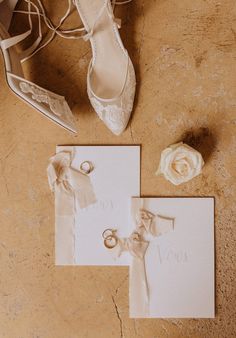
(178, 261)
(172, 248)
(93, 186)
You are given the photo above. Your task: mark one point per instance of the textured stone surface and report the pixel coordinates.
(185, 57)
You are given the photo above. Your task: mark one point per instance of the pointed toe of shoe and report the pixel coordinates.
(114, 116)
(117, 126)
(51, 105)
(115, 113)
(117, 132)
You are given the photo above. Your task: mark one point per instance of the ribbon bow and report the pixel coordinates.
(145, 220)
(58, 171)
(68, 184)
(135, 244)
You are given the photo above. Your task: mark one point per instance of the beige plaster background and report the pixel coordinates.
(184, 54)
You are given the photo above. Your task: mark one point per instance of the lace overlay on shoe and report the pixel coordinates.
(116, 113)
(50, 104)
(56, 103)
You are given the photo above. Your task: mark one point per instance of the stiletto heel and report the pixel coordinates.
(46, 102)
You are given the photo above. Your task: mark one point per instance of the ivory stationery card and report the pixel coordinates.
(88, 202)
(172, 269)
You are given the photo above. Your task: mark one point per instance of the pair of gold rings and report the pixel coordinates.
(110, 238)
(86, 167)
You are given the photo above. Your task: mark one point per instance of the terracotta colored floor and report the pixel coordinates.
(184, 54)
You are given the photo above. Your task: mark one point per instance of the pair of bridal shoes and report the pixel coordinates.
(110, 77)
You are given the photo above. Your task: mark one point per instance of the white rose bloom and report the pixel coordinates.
(180, 163)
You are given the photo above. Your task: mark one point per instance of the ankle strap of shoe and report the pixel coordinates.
(67, 34)
(40, 12)
(55, 29)
(8, 43)
(110, 12)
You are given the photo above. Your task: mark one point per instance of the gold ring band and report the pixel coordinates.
(86, 167)
(108, 241)
(108, 232)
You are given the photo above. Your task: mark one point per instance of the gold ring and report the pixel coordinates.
(108, 232)
(110, 241)
(86, 167)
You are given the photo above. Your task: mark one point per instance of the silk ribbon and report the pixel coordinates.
(146, 223)
(70, 186)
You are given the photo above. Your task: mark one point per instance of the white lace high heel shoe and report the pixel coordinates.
(111, 77)
(46, 102)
